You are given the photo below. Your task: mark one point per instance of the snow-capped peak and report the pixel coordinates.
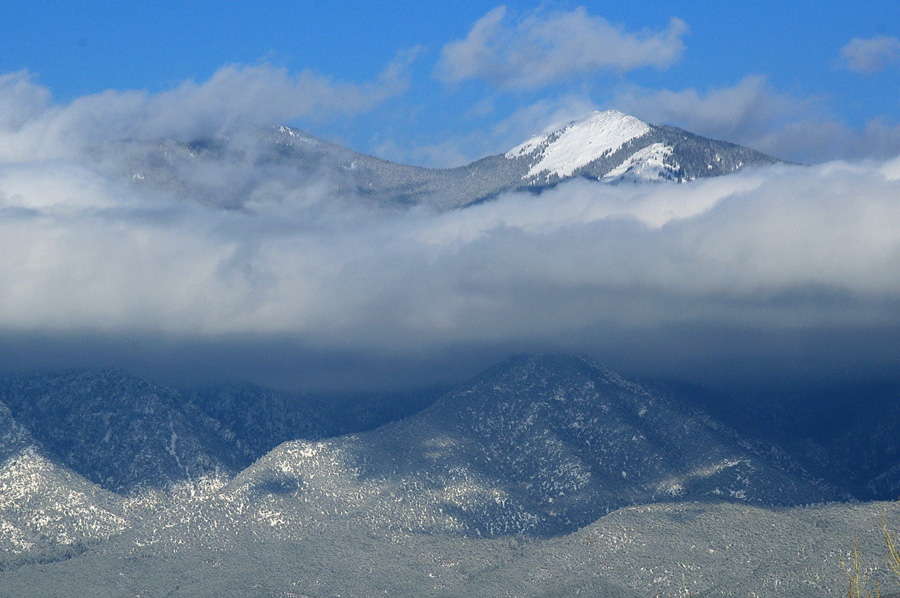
(562, 149)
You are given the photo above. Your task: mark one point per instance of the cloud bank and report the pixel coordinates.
(548, 47)
(80, 251)
(792, 265)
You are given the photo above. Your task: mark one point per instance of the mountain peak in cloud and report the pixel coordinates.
(612, 147)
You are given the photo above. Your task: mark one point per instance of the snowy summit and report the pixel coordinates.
(561, 150)
(613, 147)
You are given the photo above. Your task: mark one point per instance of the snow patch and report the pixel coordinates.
(647, 164)
(563, 150)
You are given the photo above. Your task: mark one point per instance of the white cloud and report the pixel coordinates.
(869, 56)
(32, 127)
(20, 100)
(79, 252)
(549, 47)
(820, 139)
(448, 153)
(533, 118)
(746, 110)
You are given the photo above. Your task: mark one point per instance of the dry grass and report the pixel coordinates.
(858, 573)
(893, 555)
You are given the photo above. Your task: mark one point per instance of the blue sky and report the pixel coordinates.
(785, 78)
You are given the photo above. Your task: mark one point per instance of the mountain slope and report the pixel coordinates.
(539, 444)
(117, 430)
(46, 510)
(545, 475)
(564, 150)
(613, 147)
(127, 434)
(710, 550)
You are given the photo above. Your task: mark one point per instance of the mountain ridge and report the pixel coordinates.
(537, 445)
(609, 147)
(517, 473)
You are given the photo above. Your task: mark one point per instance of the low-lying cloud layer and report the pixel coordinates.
(773, 265)
(82, 251)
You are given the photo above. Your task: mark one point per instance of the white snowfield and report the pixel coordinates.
(579, 142)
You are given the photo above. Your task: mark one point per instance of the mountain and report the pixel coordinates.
(119, 431)
(845, 434)
(46, 510)
(253, 420)
(862, 450)
(614, 147)
(545, 475)
(243, 170)
(126, 433)
(538, 445)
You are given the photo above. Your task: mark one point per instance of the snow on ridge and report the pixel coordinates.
(647, 164)
(562, 150)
